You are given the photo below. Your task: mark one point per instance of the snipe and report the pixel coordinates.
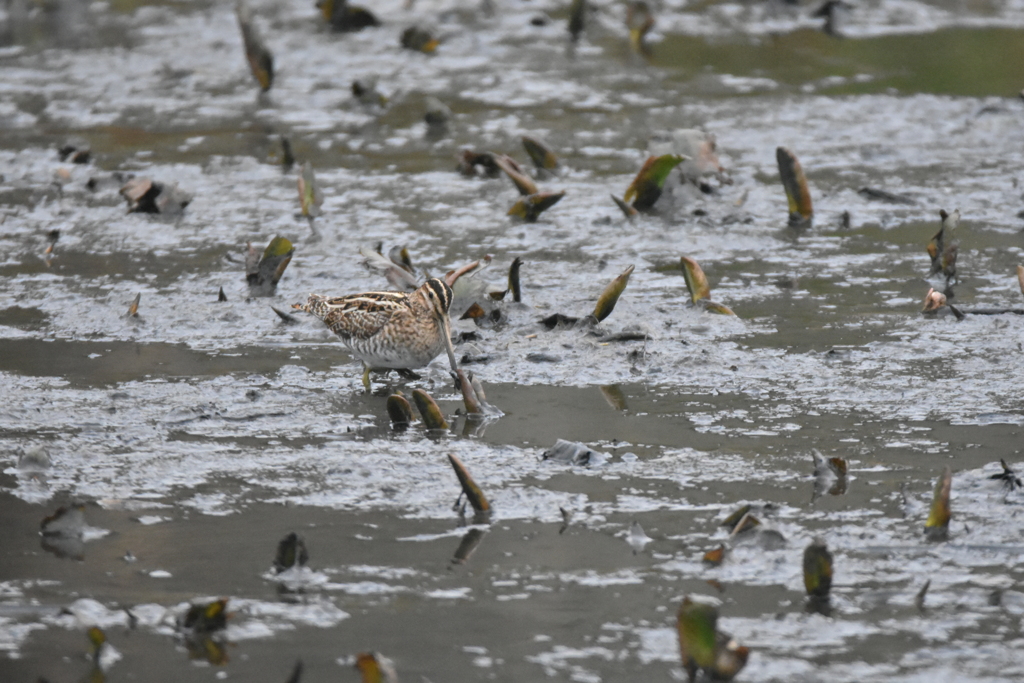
(390, 330)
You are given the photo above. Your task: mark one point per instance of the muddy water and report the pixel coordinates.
(201, 432)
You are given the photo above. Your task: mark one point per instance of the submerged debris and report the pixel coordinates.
(943, 248)
(649, 182)
(574, 453)
(937, 526)
(261, 61)
(566, 519)
(419, 39)
(148, 196)
(76, 151)
(530, 208)
(795, 183)
(343, 17)
(291, 552)
(67, 522)
(365, 90)
(935, 303)
(1008, 477)
(919, 598)
(829, 475)
(700, 151)
(221, 296)
(540, 154)
(733, 520)
(832, 11)
(884, 196)
(437, 116)
(818, 570)
(471, 162)
(577, 17)
(263, 273)
(637, 538)
(287, 158)
(205, 618)
(513, 280)
(703, 648)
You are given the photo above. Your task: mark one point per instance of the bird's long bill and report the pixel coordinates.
(446, 330)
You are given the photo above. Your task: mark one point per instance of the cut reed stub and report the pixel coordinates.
(794, 182)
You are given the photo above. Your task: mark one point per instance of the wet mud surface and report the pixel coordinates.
(201, 432)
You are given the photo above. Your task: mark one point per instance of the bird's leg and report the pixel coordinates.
(366, 377)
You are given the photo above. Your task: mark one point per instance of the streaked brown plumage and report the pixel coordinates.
(390, 330)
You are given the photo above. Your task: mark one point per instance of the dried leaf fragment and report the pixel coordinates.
(732, 520)
(133, 309)
(649, 182)
(716, 556)
(627, 210)
(540, 154)
(516, 174)
(530, 208)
